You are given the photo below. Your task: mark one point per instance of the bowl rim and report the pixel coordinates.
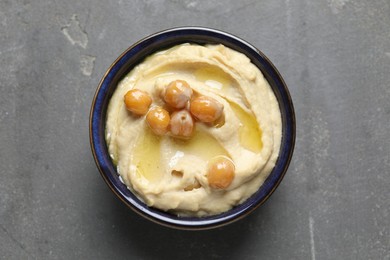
(202, 224)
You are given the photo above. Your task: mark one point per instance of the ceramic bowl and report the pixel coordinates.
(133, 56)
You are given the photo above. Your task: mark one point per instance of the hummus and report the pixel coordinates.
(169, 173)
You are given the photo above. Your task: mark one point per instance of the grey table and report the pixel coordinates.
(334, 200)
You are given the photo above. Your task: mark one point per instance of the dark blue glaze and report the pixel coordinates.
(163, 40)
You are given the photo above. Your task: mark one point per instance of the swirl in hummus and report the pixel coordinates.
(170, 173)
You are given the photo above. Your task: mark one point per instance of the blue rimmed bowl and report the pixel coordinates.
(133, 56)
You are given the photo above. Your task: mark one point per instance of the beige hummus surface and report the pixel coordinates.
(250, 134)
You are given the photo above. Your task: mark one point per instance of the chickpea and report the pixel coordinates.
(182, 124)
(206, 109)
(177, 94)
(158, 120)
(137, 101)
(220, 172)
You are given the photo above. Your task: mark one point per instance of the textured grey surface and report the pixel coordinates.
(334, 201)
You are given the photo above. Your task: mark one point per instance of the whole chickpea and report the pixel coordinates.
(206, 109)
(158, 120)
(182, 124)
(137, 101)
(177, 94)
(220, 172)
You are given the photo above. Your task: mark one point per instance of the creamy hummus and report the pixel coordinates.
(169, 173)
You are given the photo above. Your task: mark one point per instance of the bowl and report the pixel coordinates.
(133, 56)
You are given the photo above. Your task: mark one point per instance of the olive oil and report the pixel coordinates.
(201, 145)
(213, 77)
(147, 156)
(249, 131)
